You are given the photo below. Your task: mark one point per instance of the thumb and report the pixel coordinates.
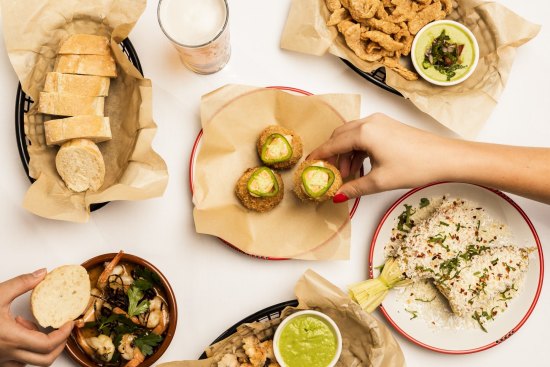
(355, 188)
(15, 287)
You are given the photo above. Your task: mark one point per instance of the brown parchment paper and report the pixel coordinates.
(366, 342)
(232, 119)
(33, 31)
(463, 108)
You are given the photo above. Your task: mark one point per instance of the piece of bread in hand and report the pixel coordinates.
(94, 128)
(85, 44)
(84, 85)
(62, 296)
(100, 65)
(80, 164)
(67, 104)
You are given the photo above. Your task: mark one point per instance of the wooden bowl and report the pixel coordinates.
(80, 357)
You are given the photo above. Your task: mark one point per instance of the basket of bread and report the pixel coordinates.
(89, 134)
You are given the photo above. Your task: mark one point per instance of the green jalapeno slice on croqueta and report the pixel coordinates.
(263, 183)
(317, 180)
(277, 148)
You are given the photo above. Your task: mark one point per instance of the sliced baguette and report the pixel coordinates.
(85, 44)
(80, 164)
(67, 104)
(94, 128)
(62, 296)
(100, 65)
(84, 85)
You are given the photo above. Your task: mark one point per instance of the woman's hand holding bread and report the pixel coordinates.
(20, 341)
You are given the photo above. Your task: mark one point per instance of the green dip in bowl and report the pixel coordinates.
(445, 53)
(307, 338)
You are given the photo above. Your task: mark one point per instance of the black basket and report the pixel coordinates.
(377, 77)
(269, 313)
(23, 104)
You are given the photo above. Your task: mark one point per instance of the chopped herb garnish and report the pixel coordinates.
(405, 223)
(444, 56)
(413, 313)
(494, 262)
(425, 300)
(458, 227)
(135, 307)
(443, 223)
(424, 203)
(147, 342)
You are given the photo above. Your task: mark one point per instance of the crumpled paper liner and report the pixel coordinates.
(232, 119)
(33, 31)
(366, 342)
(463, 108)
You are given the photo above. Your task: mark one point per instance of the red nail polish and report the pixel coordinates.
(340, 198)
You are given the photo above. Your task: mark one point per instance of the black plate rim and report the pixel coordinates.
(20, 135)
(266, 312)
(371, 78)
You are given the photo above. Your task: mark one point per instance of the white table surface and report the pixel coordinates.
(215, 285)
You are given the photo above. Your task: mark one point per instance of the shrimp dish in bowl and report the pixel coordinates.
(131, 316)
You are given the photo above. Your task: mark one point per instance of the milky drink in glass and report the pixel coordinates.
(199, 31)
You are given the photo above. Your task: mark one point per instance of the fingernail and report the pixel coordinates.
(38, 273)
(340, 198)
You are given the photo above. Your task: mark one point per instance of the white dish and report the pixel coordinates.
(318, 314)
(472, 340)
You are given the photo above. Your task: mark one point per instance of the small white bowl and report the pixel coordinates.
(321, 315)
(468, 33)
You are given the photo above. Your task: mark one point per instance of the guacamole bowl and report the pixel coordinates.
(307, 338)
(445, 53)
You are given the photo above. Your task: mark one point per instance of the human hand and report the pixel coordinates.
(401, 156)
(20, 340)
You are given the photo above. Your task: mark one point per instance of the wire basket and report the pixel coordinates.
(376, 77)
(269, 313)
(23, 104)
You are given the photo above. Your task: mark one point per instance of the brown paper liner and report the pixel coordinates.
(232, 119)
(463, 108)
(365, 341)
(33, 31)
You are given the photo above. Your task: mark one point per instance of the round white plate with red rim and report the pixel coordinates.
(196, 148)
(463, 340)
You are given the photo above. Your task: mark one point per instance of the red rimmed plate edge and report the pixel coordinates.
(529, 311)
(194, 153)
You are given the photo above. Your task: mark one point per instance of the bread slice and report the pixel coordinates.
(80, 164)
(84, 85)
(85, 44)
(101, 65)
(95, 128)
(62, 296)
(67, 104)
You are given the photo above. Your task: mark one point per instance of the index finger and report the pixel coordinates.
(39, 342)
(346, 142)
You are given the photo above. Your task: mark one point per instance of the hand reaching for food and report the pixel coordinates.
(402, 157)
(20, 340)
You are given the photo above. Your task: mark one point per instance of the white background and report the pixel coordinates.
(216, 286)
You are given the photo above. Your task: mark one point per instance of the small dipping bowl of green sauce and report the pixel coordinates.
(445, 52)
(307, 338)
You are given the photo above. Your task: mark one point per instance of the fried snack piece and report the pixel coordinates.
(338, 16)
(256, 202)
(400, 69)
(425, 16)
(333, 5)
(316, 181)
(384, 40)
(279, 147)
(352, 35)
(363, 9)
(382, 26)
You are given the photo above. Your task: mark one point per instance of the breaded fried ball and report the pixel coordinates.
(279, 147)
(316, 180)
(260, 189)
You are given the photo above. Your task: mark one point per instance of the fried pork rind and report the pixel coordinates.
(383, 30)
